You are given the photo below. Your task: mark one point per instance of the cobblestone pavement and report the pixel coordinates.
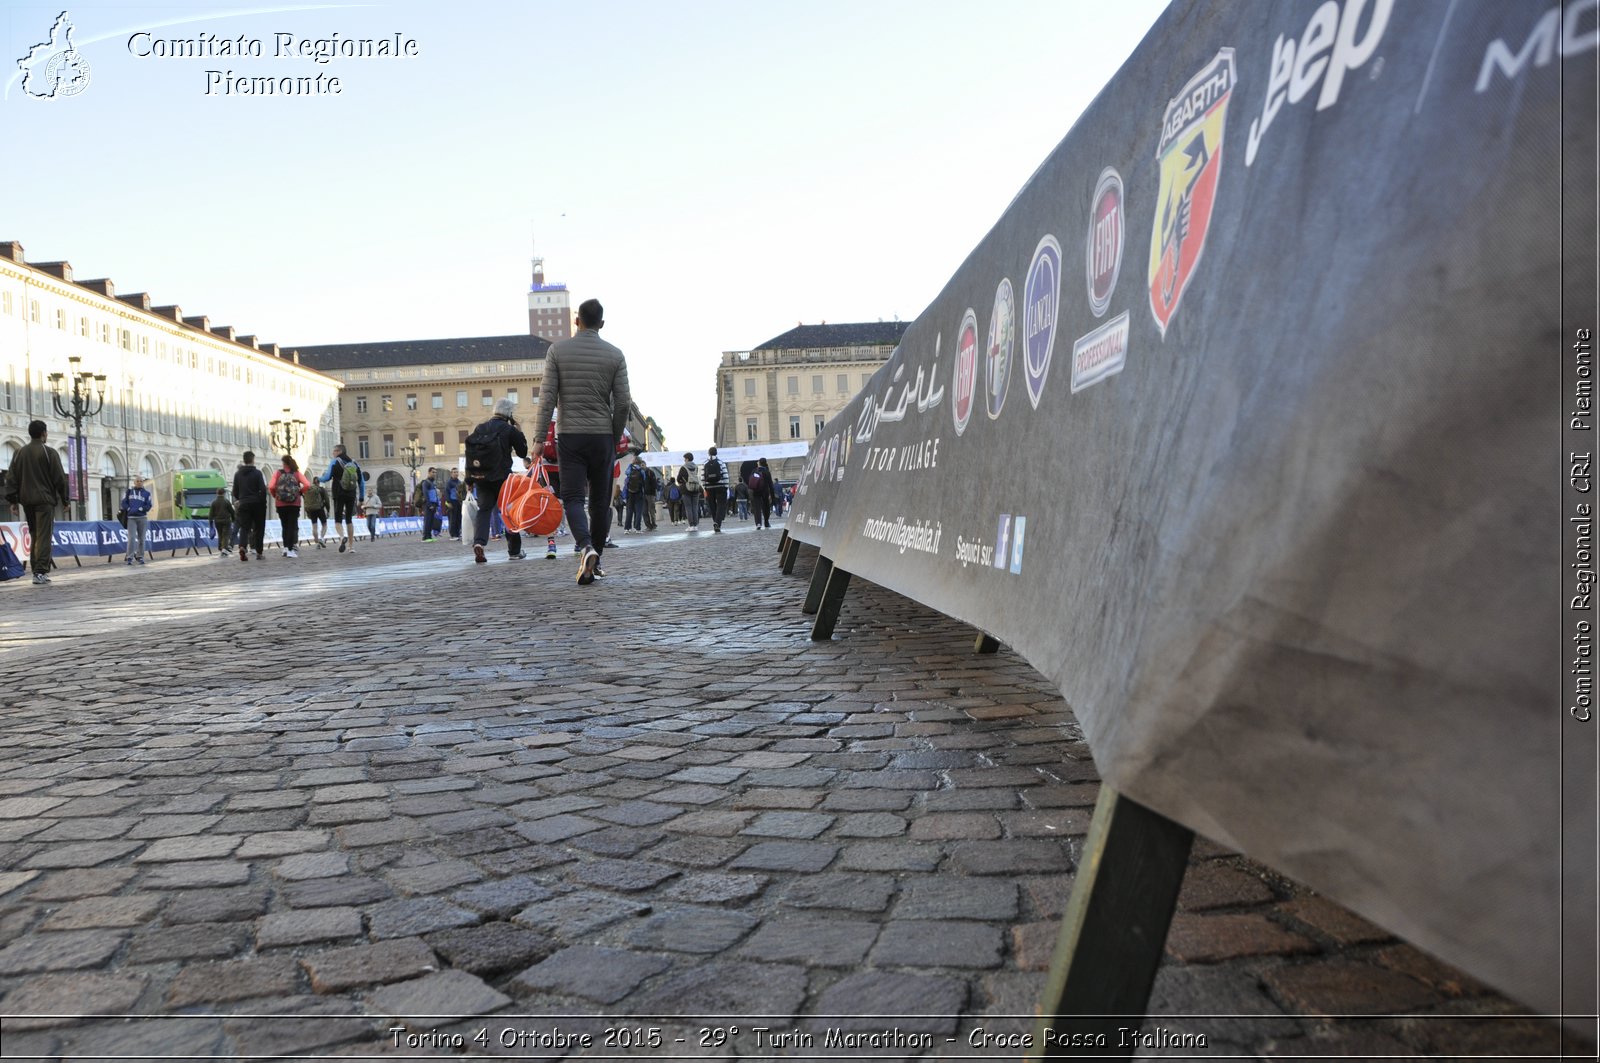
(291, 807)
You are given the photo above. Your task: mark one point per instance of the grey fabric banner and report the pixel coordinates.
(1245, 425)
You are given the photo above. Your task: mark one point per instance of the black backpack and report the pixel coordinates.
(488, 455)
(711, 473)
(635, 479)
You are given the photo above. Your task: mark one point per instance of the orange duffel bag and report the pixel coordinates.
(528, 506)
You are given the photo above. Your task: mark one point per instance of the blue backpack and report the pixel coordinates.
(10, 566)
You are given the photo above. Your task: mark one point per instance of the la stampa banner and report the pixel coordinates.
(1245, 424)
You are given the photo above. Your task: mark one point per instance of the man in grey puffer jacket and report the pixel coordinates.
(587, 378)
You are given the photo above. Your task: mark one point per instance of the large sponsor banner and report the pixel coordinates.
(105, 538)
(1285, 528)
(108, 538)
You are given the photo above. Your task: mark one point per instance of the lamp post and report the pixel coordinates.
(411, 455)
(287, 434)
(87, 399)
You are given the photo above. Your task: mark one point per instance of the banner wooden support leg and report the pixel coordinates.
(1114, 930)
(819, 583)
(985, 643)
(783, 540)
(828, 608)
(790, 552)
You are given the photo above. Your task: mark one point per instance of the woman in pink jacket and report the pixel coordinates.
(287, 485)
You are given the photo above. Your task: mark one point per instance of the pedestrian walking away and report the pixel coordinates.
(691, 489)
(344, 480)
(287, 488)
(222, 517)
(136, 503)
(316, 503)
(250, 505)
(37, 482)
(652, 490)
(714, 476)
(635, 489)
(587, 378)
(455, 493)
(374, 509)
(489, 451)
(759, 483)
(425, 501)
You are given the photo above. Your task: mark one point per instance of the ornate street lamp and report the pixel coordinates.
(411, 454)
(287, 434)
(87, 399)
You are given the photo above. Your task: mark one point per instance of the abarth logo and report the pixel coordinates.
(1189, 160)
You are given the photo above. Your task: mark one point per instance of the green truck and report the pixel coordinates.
(186, 494)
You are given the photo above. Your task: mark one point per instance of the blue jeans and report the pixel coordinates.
(586, 478)
(635, 521)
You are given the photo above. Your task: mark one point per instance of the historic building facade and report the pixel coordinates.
(410, 404)
(177, 392)
(786, 389)
(549, 307)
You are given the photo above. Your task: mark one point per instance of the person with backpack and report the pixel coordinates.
(344, 482)
(714, 475)
(221, 515)
(635, 488)
(316, 503)
(588, 379)
(250, 505)
(136, 503)
(759, 484)
(652, 488)
(690, 484)
(741, 495)
(425, 501)
(288, 486)
(489, 450)
(673, 495)
(455, 493)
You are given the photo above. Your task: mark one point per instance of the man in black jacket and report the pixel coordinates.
(40, 484)
(506, 438)
(714, 475)
(250, 506)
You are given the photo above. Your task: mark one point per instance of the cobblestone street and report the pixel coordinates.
(288, 808)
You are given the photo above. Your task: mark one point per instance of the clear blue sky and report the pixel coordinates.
(713, 172)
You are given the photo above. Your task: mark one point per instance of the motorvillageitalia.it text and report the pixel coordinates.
(318, 50)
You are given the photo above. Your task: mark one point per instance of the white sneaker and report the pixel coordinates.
(588, 561)
(290, 553)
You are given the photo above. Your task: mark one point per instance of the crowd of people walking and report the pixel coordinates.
(585, 391)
